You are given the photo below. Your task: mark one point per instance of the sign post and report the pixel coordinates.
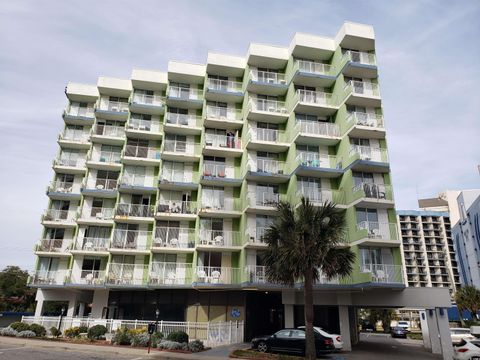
(151, 330)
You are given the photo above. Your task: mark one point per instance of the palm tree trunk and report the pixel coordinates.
(310, 352)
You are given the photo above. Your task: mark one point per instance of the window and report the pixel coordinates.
(360, 142)
(366, 215)
(283, 334)
(54, 233)
(212, 259)
(267, 195)
(371, 258)
(211, 229)
(363, 178)
(110, 153)
(97, 232)
(179, 90)
(135, 175)
(310, 187)
(106, 179)
(213, 197)
(69, 157)
(173, 171)
(90, 265)
(175, 143)
(214, 166)
(48, 264)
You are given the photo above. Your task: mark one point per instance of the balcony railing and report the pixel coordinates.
(360, 57)
(130, 239)
(318, 197)
(80, 111)
(219, 238)
(223, 141)
(363, 88)
(270, 106)
(182, 147)
(315, 97)
(378, 230)
(374, 191)
(141, 152)
(109, 157)
(59, 215)
(223, 113)
(268, 77)
(70, 162)
(144, 99)
(177, 207)
(185, 93)
(183, 119)
(384, 273)
(97, 213)
(126, 274)
(318, 128)
(53, 245)
(270, 166)
(143, 125)
(313, 67)
(217, 275)
(170, 273)
(214, 170)
(224, 85)
(61, 186)
(215, 203)
(365, 119)
(135, 210)
(269, 135)
(115, 106)
(48, 277)
(106, 184)
(109, 130)
(175, 237)
(89, 243)
(369, 153)
(136, 180)
(80, 136)
(172, 175)
(316, 160)
(88, 277)
(256, 274)
(265, 199)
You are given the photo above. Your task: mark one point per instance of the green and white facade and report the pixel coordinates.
(164, 182)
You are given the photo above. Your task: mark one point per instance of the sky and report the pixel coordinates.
(428, 54)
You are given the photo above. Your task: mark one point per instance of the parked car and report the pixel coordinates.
(367, 326)
(399, 332)
(403, 324)
(337, 339)
(458, 334)
(467, 350)
(291, 341)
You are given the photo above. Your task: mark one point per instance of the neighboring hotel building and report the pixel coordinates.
(164, 184)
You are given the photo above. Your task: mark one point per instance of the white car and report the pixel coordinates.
(337, 339)
(403, 324)
(458, 334)
(467, 350)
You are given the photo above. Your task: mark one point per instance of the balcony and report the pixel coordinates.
(170, 273)
(311, 73)
(270, 170)
(219, 174)
(188, 98)
(315, 164)
(63, 190)
(129, 241)
(126, 274)
(53, 217)
(359, 64)
(141, 155)
(315, 102)
(366, 194)
(256, 274)
(139, 212)
(219, 239)
(96, 216)
(47, 277)
(70, 165)
(147, 104)
(54, 247)
(261, 139)
(319, 197)
(92, 244)
(144, 129)
(272, 111)
(176, 210)
(316, 133)
(227, 207)
(173, 179)
(362, 93)
(174, 239)
(384, 273)
(88, 278)
(108, 134)
(112, 110)
(183, 124)
(267, 82)
(104, 160)
(74, 139)
(369, 159)
(365, 125)
(255, 237)
(212, 275)
(376, 233)
(224, 91)
(137, 184)
(175, 150)
(264, 203)
(100, 187)
(222, 145)
(79, 115)
(223, 118)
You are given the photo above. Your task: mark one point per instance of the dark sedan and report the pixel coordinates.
(291, 341)
(399, 332)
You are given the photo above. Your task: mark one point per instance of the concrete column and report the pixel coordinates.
(434, 336)
(40, 299)
(100, 300)
(345, 327)
(444, 333)
(425, 333)
(289, 317)
(81, 308)
(71, 306)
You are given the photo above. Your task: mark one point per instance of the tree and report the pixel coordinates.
(14, 293)
(302, 246)
(384, 315)
(468, 298)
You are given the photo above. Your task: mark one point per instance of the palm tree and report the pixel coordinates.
(303, 245)
(468, 298)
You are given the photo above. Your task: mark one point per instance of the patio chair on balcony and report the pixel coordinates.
(201, 276)
(215, 277)
(88, 246)
(218, 240)
(380, 276)
(89, 278)
(170, 278)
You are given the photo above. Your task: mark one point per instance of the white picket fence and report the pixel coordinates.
(211, 333)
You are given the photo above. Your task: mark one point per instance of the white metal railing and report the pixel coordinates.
(184, 147)
(70, 162)
(219, 238)
(256, 274)
(98, 213)
(216, 203)
(174, 175)
(89, 243)
(317, 160)
(61, 186)
(144, 99)
(185, 93)
(271, 106)
(115, 106)
(143, 125)
(47, 277)
(266, 199)
(80, 111)
(374, 191)
(177, 207)
(313, 67)
(365, 119)
(109, 130)
(270, 166)
(182, 119)
(109, 157)
(130, 239)
(363, 88)
(141, 152)
(319, 128)
(80, 136)
(59, 215)
(378, 230)
(360, 57)
(369, 153)
(268, 77)
(105, 184)
(176, 237)
(316, 196)
(136, 180)
(271, 135)
(53, 245)
(88, 277)
(214, 170)
(217, 275)
(384, 273)
(224, 85)
(211, 333)
(223, 113)
(315, 97)
(126, 274)
(223, 141)
(170, 273)
(136, 210)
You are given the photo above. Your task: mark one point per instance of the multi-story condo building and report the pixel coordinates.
(164, 184)
(428, 250)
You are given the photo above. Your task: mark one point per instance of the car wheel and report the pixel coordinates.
(262, 346)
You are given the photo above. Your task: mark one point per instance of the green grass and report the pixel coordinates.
(252, 354)
(415, 336)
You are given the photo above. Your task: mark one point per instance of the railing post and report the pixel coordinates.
(161, 326)
(135, 326)
(230, 333)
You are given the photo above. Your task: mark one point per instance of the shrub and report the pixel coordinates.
(156, 337)
(39, 330)
(122, 337)
(96, 332)
(195, 346)
(8, 331)
(55, 332)
(72, 332)
(178, 336)
(19, 326)
(138, 331)
(82, 329)
(26, 334)
(140, 340)
(172, 345)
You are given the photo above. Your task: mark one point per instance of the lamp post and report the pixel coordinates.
(157, 314)
(61, 318)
